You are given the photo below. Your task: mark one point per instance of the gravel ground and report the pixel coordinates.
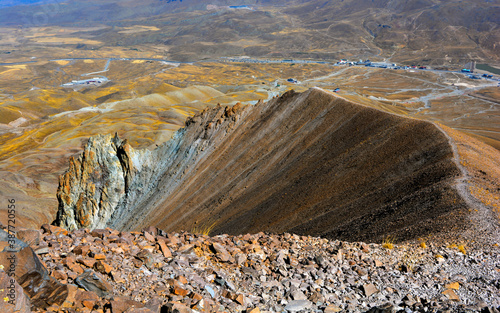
(268, 273)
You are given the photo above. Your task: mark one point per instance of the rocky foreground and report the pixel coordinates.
(151, 271)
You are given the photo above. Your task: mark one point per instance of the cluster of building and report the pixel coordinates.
(96, 81)
(380, 65)
(468, 69)
(211, 7)
(288, 61)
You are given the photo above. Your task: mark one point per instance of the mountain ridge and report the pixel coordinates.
(311, 163)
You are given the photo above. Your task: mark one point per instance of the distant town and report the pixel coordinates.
(469, 69)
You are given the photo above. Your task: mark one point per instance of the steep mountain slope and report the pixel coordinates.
(311, 163)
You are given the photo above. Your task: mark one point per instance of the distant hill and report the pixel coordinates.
(434, 32)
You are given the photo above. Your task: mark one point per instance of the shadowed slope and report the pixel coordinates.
(310, 163)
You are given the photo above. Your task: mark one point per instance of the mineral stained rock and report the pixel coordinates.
(311, 163)
(94, 184)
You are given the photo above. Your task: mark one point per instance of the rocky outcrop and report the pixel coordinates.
(311, 163)
(104, 185)
(95, 183)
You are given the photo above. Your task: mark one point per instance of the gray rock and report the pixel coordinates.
(369, 289)
(298, 295)
(92, 281)
(14, 245)
(297, 305)
(210, 290)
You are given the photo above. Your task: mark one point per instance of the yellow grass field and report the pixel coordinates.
(65, 40)
(138, 29)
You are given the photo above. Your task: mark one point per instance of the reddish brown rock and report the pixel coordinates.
(152, 230)
(451, 295)
(71, 298)
(102, 267)
(164, 249)
(81, 250)
(121, 304)
(99, 256)
(54, 230)
(196, 296)
(182, 279)
(86, 262)
(89, 304)
(149, 236)
(180, 291)
(332, 309)
(240, 299)
(139, 310)
(72, 275)
(173, 239)
(454, 285)
(99, 233)
(29, 236)
(59, 275)
(86, 299)
(73, 266)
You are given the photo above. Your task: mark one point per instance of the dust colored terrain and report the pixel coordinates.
(435, 32)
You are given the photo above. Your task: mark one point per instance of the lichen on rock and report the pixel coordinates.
(95, 183)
